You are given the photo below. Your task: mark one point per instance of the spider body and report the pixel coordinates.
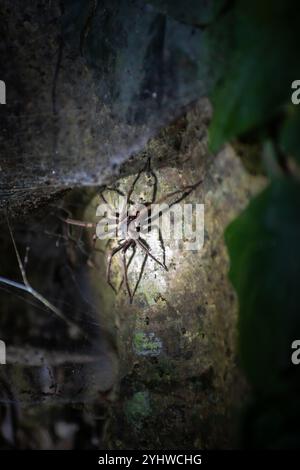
(127, 225)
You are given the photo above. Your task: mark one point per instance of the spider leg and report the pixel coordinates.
(78, 243)
(106, 202)
(128, 264)
(185, 191)
(154, 193)
(140, 275)
(131, 189)
(154, 176)
(110, 257)
(162, 243)
(142, 243)
(116, 190)
(125, 273)
(120, 214)
(79, 223)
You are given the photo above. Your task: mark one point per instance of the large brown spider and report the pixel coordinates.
(124, 219)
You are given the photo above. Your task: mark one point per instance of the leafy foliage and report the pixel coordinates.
(290, 138)
(252, 100)
(263, 64)
(263, 244)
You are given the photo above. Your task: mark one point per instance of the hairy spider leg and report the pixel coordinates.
(154, 193)
(79, 223)
(155, 186)
(186, 190)
(143, 244)
(116, 190)
(140, 275)
(112, 210)
(131, 189)
(120, 216)
(125, 272)
(124, 245)
(162, 243)
(128, 264)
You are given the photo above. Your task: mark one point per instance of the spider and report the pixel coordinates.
(127, 227)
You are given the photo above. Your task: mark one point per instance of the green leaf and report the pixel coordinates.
(263, 65)
(264, 248)
(290, 135)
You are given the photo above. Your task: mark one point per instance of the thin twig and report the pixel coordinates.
(26, 286)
